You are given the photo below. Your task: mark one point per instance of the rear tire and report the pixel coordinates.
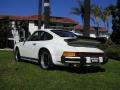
(45, 60)
(17, 55)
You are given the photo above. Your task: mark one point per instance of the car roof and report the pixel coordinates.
(51, 29)
(44, 29)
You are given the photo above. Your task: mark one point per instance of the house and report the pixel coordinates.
(18, 35)
(102, 32)
(55, 22)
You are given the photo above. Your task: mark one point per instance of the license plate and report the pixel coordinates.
(94, 59)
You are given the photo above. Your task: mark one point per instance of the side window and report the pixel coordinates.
(47, 36)
(37, 36)
(40, 35)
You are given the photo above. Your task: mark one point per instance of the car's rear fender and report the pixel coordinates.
(54, 54)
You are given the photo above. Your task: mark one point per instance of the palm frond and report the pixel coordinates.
(75, 11)
(92, 19)
(79, 10)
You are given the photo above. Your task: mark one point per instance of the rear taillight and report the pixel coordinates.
(69, 54)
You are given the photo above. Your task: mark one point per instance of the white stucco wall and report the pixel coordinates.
(93, 35)
(106, 36)
(32, 27)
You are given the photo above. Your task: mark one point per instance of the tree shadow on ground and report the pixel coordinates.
(78, 70)
(81, 70)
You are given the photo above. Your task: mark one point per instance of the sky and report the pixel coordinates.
(60, 8)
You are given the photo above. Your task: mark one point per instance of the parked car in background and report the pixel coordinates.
(76, 33)
(51, 47)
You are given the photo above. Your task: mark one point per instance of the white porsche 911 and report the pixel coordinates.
(51, 47)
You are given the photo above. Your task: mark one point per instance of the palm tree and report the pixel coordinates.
(115, 36)
(86, 17)
(96, 12)
(118, 4)
(106, 15)
(83, 10)
(79, 11)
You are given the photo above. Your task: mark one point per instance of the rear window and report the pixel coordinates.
(63, 33)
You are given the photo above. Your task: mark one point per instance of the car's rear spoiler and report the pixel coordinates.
(85, 41)
(99, 39)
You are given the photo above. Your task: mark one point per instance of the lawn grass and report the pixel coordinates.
(29, 76)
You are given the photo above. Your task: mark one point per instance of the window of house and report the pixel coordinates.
(36, 23)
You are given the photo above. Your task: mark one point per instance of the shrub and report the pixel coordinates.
(113, 52)
(109, 43)
(111, 49)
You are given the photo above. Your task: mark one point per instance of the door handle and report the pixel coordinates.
(34, 44)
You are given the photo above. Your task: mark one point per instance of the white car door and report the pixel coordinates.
(31, 47)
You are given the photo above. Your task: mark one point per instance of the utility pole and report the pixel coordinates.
(86, 18)
(46, 13)
(39, 14)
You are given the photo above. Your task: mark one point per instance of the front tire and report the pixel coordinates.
(45, 60)
(17, 55)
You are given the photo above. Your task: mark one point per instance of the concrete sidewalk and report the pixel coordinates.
(6, 49)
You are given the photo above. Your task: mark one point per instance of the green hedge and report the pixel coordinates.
(113, 51)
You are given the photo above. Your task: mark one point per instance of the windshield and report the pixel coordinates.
(64, 33)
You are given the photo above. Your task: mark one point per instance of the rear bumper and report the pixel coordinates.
(84, 61)
(73, 60)
(105, 60)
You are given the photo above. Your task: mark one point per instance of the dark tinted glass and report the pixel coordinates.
(63, 33)
(36, 36)
(47, 36)
(40, 35)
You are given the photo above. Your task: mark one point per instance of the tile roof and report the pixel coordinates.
(14, 17)
(35, 17)
(79, 27)
(102, 29)
(52, 19)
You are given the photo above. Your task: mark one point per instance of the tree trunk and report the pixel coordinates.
(97, 29)
(86, 18)
(118, 4)
(39, 14)
(46, 13)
